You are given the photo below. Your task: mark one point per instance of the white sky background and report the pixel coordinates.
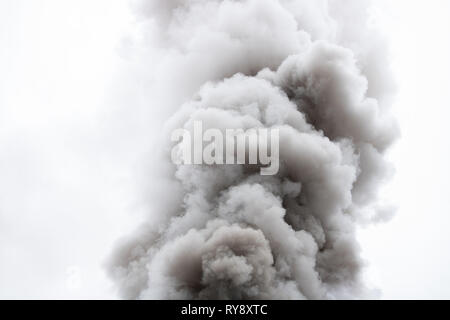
(410, 256)
(65, 187)
(62, 191)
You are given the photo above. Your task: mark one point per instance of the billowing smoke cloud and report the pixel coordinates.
(316, 71)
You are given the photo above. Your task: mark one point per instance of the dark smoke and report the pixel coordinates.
(318, 72)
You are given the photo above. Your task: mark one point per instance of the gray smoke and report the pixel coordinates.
(316, 71)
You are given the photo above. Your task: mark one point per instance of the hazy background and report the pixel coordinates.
(69, 145)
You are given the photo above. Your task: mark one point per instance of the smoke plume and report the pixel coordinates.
(318, 72)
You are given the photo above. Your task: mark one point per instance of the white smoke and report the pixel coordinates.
(316, 71)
